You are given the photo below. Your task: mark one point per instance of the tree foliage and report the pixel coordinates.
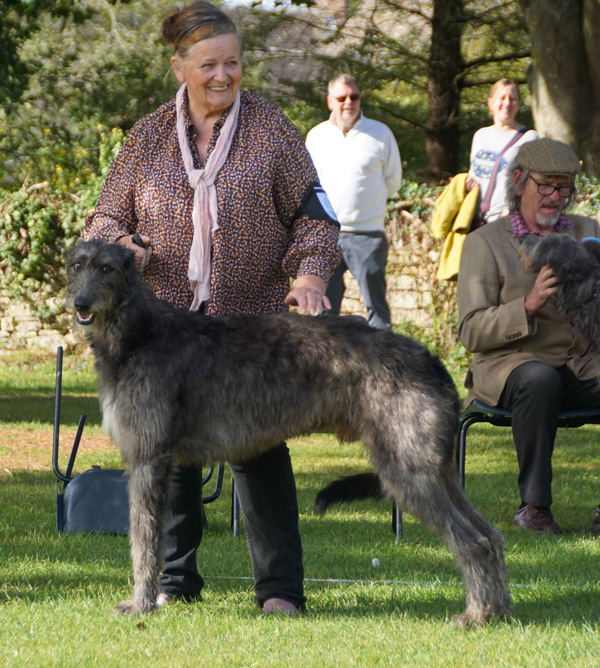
(105, 72)
(425, 67)
(37, 223)
(20, 20)
(565, 75)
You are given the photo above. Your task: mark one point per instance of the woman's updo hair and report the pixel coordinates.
(197, 21)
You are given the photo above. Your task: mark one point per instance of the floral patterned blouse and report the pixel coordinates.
(264, 238)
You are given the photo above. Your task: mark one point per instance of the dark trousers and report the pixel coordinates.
(365, 256)
(267, 492)
(535, 393)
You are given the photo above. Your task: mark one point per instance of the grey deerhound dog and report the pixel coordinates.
(181, 386)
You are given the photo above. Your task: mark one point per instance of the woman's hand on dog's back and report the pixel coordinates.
(308, 294)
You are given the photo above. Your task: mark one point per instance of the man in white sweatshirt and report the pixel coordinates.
(359, 167)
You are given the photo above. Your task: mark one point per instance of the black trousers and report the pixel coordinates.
(267, 493)
(535, 393)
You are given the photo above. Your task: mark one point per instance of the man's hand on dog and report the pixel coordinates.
(308, 295)
(543, 288)
(128, 242)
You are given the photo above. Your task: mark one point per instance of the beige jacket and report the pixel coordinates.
(492, 319)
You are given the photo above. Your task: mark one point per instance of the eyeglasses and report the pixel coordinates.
(549, 189)
(343, 98)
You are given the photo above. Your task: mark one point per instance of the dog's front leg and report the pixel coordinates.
(148, 485)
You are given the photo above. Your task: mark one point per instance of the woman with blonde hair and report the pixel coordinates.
(494, 148)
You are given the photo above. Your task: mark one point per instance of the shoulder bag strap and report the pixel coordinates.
(484, 207)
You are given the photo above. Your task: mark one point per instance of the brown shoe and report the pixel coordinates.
(272, 605)
(595, 525)
(535, 519)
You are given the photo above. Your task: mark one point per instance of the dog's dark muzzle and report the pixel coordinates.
(83, 311)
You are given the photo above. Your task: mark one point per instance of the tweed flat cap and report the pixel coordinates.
(548, 156)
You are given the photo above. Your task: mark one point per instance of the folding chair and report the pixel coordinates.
(479, 411)
(97, 500)
(397, 521)
(235, 502)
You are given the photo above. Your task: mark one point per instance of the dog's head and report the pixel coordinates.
(100, 277)
(577, 267)
(569, 259)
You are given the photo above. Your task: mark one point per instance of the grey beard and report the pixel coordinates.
(547, 221)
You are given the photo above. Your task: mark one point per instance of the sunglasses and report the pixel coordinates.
(353, 97)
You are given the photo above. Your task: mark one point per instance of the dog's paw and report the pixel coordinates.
(466, 621)
(133, 609)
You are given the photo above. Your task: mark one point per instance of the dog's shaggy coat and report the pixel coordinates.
(576, 265)
(181, 386)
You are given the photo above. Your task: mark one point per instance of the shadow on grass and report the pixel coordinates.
(59, 586)
(423, 602)
(550, 577)
(27, 407)
(573, 608)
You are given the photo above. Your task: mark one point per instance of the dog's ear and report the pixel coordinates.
(527, 255)
(592, 246)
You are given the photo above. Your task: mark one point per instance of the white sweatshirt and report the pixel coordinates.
(358, 171)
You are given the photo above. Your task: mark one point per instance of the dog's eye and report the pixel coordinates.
(106, 269)
(76, 266)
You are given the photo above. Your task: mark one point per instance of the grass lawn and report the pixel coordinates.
(57, 592)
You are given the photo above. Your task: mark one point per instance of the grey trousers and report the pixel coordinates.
(365, 256)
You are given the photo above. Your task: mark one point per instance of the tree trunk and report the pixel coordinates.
(565, 75)
(444, 90)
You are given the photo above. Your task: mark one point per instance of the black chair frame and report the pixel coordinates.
(106, 499)
(479, 411)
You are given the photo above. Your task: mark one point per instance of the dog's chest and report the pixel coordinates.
(112, 418)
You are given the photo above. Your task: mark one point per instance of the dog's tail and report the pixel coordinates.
(349, 488)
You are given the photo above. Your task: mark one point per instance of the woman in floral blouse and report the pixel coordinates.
(220, 183)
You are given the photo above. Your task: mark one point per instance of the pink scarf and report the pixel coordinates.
(204, 213)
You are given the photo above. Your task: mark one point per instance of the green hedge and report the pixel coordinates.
(39, 222)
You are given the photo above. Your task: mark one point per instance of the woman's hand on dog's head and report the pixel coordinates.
(139, 251)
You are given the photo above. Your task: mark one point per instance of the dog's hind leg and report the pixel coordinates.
(477, 547)
(484, 569)
(464, 506)
(148, 486)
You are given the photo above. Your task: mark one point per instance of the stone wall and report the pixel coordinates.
(412, 263)
(412, 290)
(19, 328)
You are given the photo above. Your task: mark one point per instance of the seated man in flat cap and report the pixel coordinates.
(525, 359)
